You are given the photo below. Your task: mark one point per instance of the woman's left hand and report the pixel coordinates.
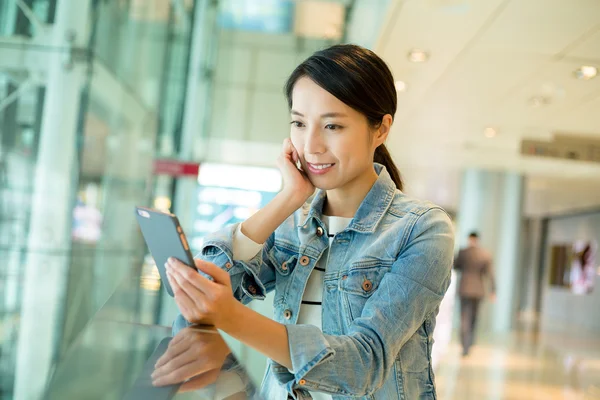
(200, 300)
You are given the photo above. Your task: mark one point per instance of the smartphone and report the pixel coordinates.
(165, 238)
(143, 389)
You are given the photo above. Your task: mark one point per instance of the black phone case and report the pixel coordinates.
(142, 388)
(165, 239)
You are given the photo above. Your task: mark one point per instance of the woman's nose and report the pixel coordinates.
(314, 142)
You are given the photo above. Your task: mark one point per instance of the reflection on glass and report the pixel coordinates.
(198, 359)
(150, 278)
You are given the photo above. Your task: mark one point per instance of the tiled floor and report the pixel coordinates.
(523, 366)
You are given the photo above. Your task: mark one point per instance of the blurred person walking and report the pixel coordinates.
(475, 265)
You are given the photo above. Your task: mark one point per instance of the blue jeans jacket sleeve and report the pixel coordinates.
(357, 364)
(249, 279)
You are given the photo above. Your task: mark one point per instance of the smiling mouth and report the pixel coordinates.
(319, 169)
(320, 166)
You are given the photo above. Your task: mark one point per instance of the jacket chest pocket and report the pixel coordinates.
(284, 261)
(358, 284)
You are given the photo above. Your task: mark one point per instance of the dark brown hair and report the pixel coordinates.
(360, 79)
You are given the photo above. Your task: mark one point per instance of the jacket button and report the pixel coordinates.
(228, 265)
(302, 382)
(344, 277)
(320, 231)
(284, 266)
(304, 261)
(287, 314)
(252, 289)
(367, 285)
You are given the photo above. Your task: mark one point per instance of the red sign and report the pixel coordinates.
(176, 168)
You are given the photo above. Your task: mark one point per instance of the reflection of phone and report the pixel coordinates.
(142, 388)
(165, 239)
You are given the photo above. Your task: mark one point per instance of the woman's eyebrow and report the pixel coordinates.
(333, 115)
(326, 115)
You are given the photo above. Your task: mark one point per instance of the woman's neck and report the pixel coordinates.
(345, 201)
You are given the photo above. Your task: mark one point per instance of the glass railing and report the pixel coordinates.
(67, 309)
(115, 355)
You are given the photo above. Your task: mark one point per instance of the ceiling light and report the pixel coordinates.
(400, 86)
(418, 56)
(539, 101)
(489, 132)
(586, 72)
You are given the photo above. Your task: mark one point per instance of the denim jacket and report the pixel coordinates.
(386, 276)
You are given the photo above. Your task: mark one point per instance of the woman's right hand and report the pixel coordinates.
(296, 184)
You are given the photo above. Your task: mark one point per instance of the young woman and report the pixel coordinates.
(358, 270)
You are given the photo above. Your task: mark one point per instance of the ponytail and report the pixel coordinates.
(382, 156)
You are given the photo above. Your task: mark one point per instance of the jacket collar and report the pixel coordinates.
(370, 211)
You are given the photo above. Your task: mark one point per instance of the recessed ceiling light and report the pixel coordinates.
(418, 56)
(538, 101)
(400, 86)
(586, 72)
(489, 132)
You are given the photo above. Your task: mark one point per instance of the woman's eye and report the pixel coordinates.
(333, 127)
(297, 124)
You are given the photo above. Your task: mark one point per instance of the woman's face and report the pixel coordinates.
(334, 142)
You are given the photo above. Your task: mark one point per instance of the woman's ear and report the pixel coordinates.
(384, 130)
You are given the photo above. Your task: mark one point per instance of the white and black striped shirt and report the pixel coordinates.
(310, 311)
(312, 299)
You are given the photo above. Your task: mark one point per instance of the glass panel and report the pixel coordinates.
(20, 130)
(123, 117)
(110, 359)
(68, 236)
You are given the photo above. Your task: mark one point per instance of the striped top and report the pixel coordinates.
(310, 313)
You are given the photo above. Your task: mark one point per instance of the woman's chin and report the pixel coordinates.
(324, 185)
